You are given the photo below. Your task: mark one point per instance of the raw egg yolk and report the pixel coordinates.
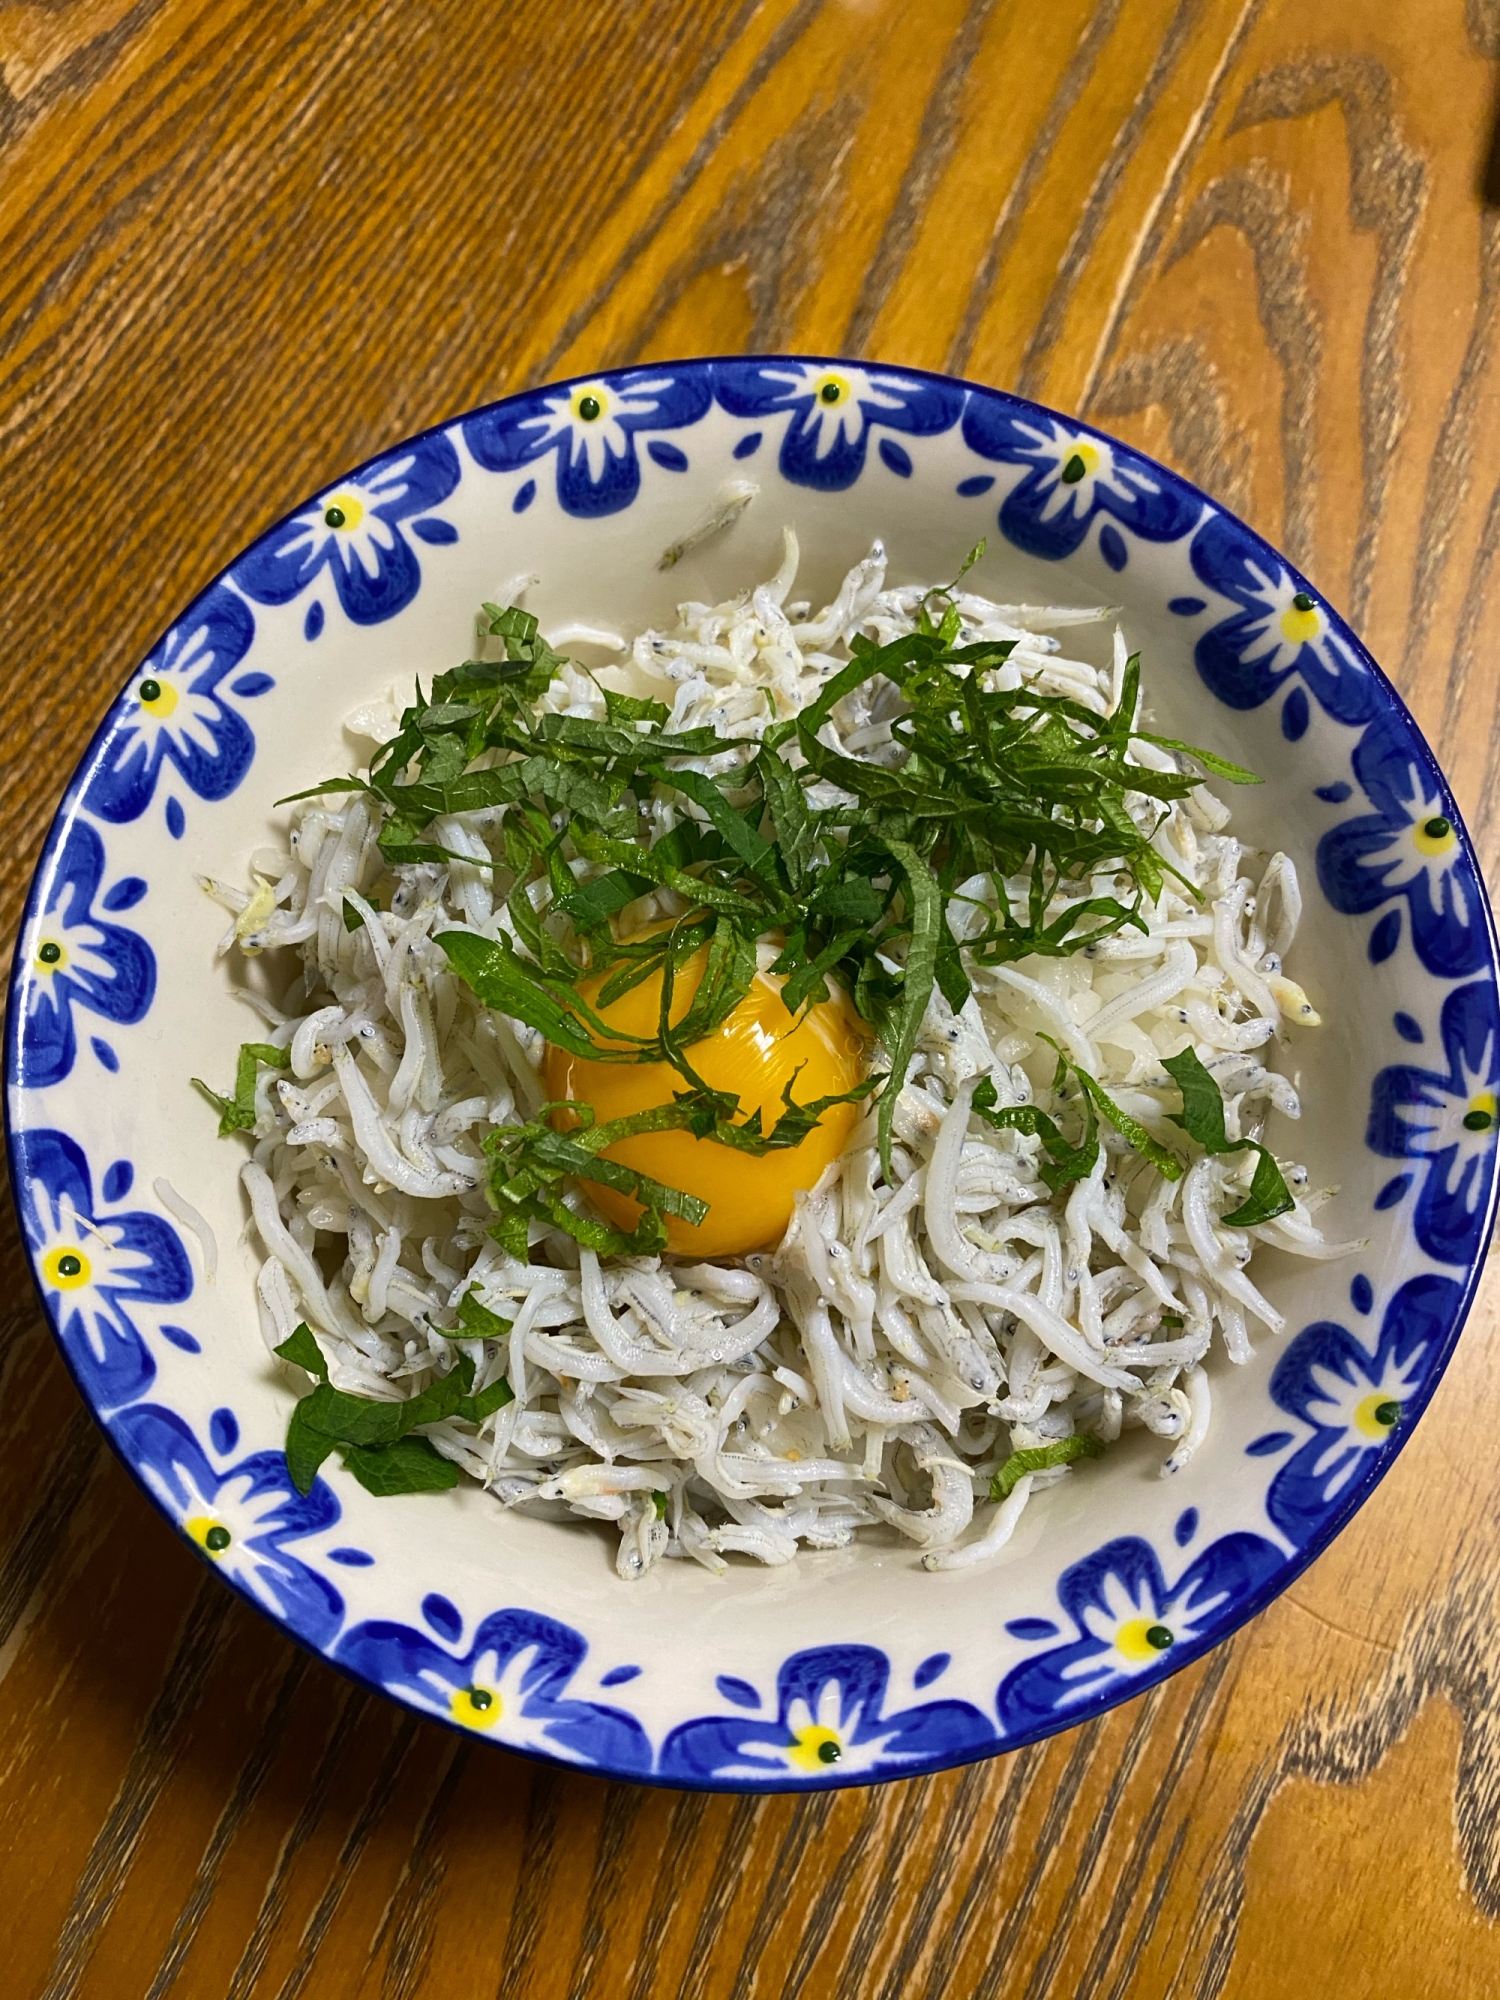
(755, 1053)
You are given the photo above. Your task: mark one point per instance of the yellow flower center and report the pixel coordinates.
(209, 1533)
(476, 1707)
(1300, 626)
(832, 390)
(589, 403)
(66, 1267)
(1434, 835)
(343, 513)
(818, 1749)
(158, 698)
(1142, 1639)
(1377, 1416)
(50, 956)
(1481, 1114)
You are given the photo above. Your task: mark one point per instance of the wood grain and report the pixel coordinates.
(242, 246)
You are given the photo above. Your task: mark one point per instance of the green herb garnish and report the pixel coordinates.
(237, 1113)
(301, 1347)
(1082, 1444)
(1202, 1118)
(374, 1438)
(410, 1465)
(1269, 1195)
(530, 1162)
(476, 1321)
(990, 782)
(1068, 1162)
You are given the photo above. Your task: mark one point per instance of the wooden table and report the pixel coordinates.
(244, 245)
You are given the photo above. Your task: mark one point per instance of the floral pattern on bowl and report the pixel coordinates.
(82, 960)
(513, 1676)
(177, 713)
(360, 532)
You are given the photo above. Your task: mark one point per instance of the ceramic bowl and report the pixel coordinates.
(118, 999)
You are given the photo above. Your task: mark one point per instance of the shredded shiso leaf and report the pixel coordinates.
(849, 863)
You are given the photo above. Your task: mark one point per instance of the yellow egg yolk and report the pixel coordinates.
(755, 1053)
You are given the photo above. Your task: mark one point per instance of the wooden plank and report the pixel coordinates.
(240, 247)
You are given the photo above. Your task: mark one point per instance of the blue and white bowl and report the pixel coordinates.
(116, 1001)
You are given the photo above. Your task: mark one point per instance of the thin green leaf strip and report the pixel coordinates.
(1202, 1118)
(916, 988)
(1041, 1458)
(301, 1347)
(372, 1436)
(984, 781)
(1269, 1195)
(237, 1113)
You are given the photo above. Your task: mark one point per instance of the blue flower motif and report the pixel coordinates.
(1278, 630)
(74, 957)
(355, 531)
(830, 1725)
(1353, 1402)
(514, 1675)
(95, 1263)
(243, 1517)
(1132, 1627)
(1070, 476)
(834, 406)
(1447, 1123)
(176, 712)
(592, 427)
(1407, 847)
